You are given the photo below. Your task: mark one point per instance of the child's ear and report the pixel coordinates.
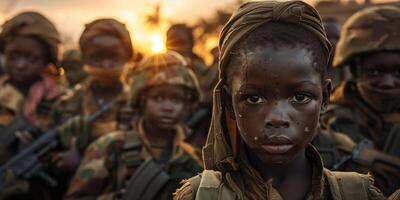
(326, 93)
(227, 97)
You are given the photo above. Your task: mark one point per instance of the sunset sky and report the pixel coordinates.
(71, 15)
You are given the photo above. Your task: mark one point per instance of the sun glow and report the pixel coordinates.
(158, 44)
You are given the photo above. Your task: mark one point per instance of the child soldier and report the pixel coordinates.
(367, 108)
(29, 43)
(267, 103)
(106, 49)
(116, 166)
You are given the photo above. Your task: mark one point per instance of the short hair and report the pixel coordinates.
(276, 34)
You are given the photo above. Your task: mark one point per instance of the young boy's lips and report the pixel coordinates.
(277, 148)
(278, 144)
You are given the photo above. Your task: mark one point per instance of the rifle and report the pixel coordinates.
(26, 164)
(366, 155)
(7, 136)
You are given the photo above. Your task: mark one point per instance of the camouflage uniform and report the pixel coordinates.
(34, 107)
(108, 163)
(80, 101)
(12, 102)
(229, 174)
(370, 30)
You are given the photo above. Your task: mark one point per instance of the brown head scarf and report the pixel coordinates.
(32, 24)
(220, 152)
(107, 27)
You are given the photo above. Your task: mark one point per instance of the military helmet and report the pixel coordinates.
(160, 69)
(370, 30)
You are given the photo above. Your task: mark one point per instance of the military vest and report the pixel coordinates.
(342, 185)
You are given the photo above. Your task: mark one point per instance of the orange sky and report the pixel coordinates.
(71, 15)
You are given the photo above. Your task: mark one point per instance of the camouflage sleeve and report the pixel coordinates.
(91, 179)
(189, 189)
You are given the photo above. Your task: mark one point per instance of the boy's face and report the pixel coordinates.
(276, 100)
(381, 70)
(165, 105)
(106, 52)
(25, 58)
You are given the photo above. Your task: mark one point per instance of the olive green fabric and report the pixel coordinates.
(160, 69)
(369, 30)
(108, 163)
(32, 24)
(107, 27)
(254, 14)
(212, 185)
(71, 110)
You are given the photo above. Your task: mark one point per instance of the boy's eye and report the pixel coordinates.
(300, 99)
(254, 99)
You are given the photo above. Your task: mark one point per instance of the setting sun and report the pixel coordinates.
(158, 44)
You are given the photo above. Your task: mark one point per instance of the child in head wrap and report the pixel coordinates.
(162, 89)
(106, 49)
(29, 43)
(272, 89)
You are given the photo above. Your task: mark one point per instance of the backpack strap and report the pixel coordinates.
(131, 154)
(347, 185)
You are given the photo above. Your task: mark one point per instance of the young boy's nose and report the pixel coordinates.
(389, 81)
(167, 105)
(21, 63)
(107, 63)
(277, 118)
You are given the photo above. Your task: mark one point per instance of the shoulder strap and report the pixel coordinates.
(131, 154)
(347, 185)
